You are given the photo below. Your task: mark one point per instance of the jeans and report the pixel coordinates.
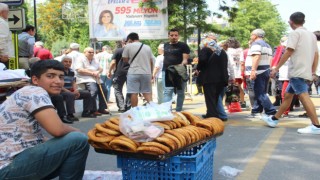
(258, 93)
(220, 109)
(297, 86)
(63, 156)
(168, 93)
(122, 103)
(159, 90)
(107, 83)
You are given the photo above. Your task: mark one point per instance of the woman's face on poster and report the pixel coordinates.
(106, 18)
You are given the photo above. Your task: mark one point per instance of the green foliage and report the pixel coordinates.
(251, 16)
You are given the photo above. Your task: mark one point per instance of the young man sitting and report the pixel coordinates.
(24, 151)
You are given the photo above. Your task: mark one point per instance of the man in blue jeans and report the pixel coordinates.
(303, 53)
(175, 53)
(24, 151)
(257, 66)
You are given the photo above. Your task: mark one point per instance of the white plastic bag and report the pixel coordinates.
(152, 112)
(136, 123)
(229, 172)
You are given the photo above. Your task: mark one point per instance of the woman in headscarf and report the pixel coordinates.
(213, 64)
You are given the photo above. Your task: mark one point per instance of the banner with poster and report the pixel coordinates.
(115, 19)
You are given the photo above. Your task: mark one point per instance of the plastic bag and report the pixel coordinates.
(152, 112)
(102, 175)
(136, 123)
(229, 172)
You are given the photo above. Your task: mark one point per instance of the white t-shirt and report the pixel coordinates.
(83, 63)
(304, 44)
(236, 59)
(104, 58)
(19, 129)
(159, 64)
(141, 63)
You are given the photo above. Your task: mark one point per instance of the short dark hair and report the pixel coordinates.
(133, 36)
(40, 67)
(233, 43)
(173, 30)
(317, 33)
(28, 28)
(297, 18)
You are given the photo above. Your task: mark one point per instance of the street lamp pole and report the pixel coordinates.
(35, 18)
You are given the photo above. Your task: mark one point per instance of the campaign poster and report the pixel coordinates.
(115, 19)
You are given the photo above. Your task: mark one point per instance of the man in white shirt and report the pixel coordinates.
(303, 53)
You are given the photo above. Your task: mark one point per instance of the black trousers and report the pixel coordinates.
(69, 98)
(118, 82)
(211, 96)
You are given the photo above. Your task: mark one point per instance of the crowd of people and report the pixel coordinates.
(89, 75)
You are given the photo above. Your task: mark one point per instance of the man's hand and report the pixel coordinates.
(253, 75)
(76, 93)
(273, 73)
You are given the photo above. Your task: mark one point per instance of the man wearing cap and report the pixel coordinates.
(74, 54)
(257, 69)
(26, 43)
(41, 52)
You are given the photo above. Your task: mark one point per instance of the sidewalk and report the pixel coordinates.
(247, 144)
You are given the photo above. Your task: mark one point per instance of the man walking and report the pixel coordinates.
(139, 75)
(175, 53)
(6, 46)
(303, 53)
(119, 78)
(257, 74)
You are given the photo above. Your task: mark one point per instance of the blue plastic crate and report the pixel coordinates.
(193, 164)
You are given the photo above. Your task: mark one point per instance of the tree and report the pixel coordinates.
(251, 16)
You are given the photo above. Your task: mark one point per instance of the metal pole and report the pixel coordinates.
(35, 18)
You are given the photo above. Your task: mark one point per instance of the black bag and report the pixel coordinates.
(232, 93)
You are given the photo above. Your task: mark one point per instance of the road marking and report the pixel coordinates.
(257, 163)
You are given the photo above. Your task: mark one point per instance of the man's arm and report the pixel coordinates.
(185, 58)
(53, 125)
(287, 54)
(315, 63)
(255, 62)
(112, 66)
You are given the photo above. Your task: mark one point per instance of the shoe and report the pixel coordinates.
(304, 115)
(204, 116)
(104, 112)
(96, 113)
(72, 118)
(121, 110)
(224, 119)
(271, 123)
(243, 105)
(309, 130)
(88, 115)
(66, 120)
(254, 115)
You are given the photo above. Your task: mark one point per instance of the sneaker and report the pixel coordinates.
(309, 130)
(254, 115)
(71, 117)
(269, 121)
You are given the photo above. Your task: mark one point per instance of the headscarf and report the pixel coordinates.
(216, 48)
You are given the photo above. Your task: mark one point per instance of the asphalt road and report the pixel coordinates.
(247, 144)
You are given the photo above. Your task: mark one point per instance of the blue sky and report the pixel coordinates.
(311, 8)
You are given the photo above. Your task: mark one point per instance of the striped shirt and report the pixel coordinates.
(259, 47)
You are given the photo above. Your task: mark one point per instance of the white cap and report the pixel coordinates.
(74, 45)
(38, 43)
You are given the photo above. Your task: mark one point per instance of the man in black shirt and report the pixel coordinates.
(119, 78)
(175, 53)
